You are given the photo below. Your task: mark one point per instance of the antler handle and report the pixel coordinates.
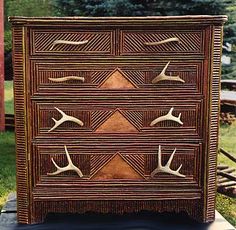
(64, 118)
(62, 79)
(166, 168)
(166, 117)
(163, 77)
(69, 167)
(67, 43)
(168, 40)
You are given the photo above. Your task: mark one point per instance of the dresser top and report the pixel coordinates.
(188, 19)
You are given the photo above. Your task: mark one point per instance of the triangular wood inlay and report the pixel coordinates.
(117, 168)
(116, 123)
(117, 80)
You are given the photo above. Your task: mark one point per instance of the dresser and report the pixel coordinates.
(116, 115)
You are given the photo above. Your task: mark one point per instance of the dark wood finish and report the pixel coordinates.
(113, 103)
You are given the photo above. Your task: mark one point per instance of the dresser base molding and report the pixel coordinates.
(191, 207)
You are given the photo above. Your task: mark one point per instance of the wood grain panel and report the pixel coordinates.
(132, 42)
(99, 42)
(137, 78)
(92, 161)
(102, 118)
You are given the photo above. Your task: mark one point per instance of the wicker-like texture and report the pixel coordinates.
(92, 77)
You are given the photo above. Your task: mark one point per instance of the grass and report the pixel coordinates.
(8, 97)
(228, 142)
(7, 165)
(225, 205)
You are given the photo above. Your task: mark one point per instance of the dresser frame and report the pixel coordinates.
(31, 209)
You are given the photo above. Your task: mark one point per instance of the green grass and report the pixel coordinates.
(228, 142)
(7, 165)
(227, 208)
(225, 205)
(8, 97)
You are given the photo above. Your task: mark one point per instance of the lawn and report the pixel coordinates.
(7, 165)
(9, 105)
(226, 206)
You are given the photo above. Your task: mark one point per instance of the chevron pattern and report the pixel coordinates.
(136, 161)
(98, 41)
(134, 42)
(98, 161)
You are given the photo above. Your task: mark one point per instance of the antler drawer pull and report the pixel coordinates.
(67, 43)
(174, 39)
(166, 168)
(167, 117)
(69, 167)
(68, 78)
(64, 118)
(163, 77)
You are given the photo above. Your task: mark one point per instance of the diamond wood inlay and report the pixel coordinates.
(116, 123)
(116, 168)
(117, 80)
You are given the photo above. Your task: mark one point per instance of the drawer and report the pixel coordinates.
(160, 42)
(120, 165)
(130, 79)
(76, 41)
(107, 119)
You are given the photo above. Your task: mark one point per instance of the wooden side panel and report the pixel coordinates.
(23, 183)
(211, 162)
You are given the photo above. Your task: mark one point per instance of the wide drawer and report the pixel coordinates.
(117, 165)
(77, 41)
(130, 78)
(160, 42)
(154, 119)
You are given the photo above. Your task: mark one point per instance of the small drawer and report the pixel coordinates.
(71, 42)
(132, 79)
(162, 42)
(105, 119)
(113, 164)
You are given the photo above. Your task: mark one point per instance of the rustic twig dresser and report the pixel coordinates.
(116, 114)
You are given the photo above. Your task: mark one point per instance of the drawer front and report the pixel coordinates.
(109, 119)
(71, 41)
(133, 79)
(121, 165)
(162, 42)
